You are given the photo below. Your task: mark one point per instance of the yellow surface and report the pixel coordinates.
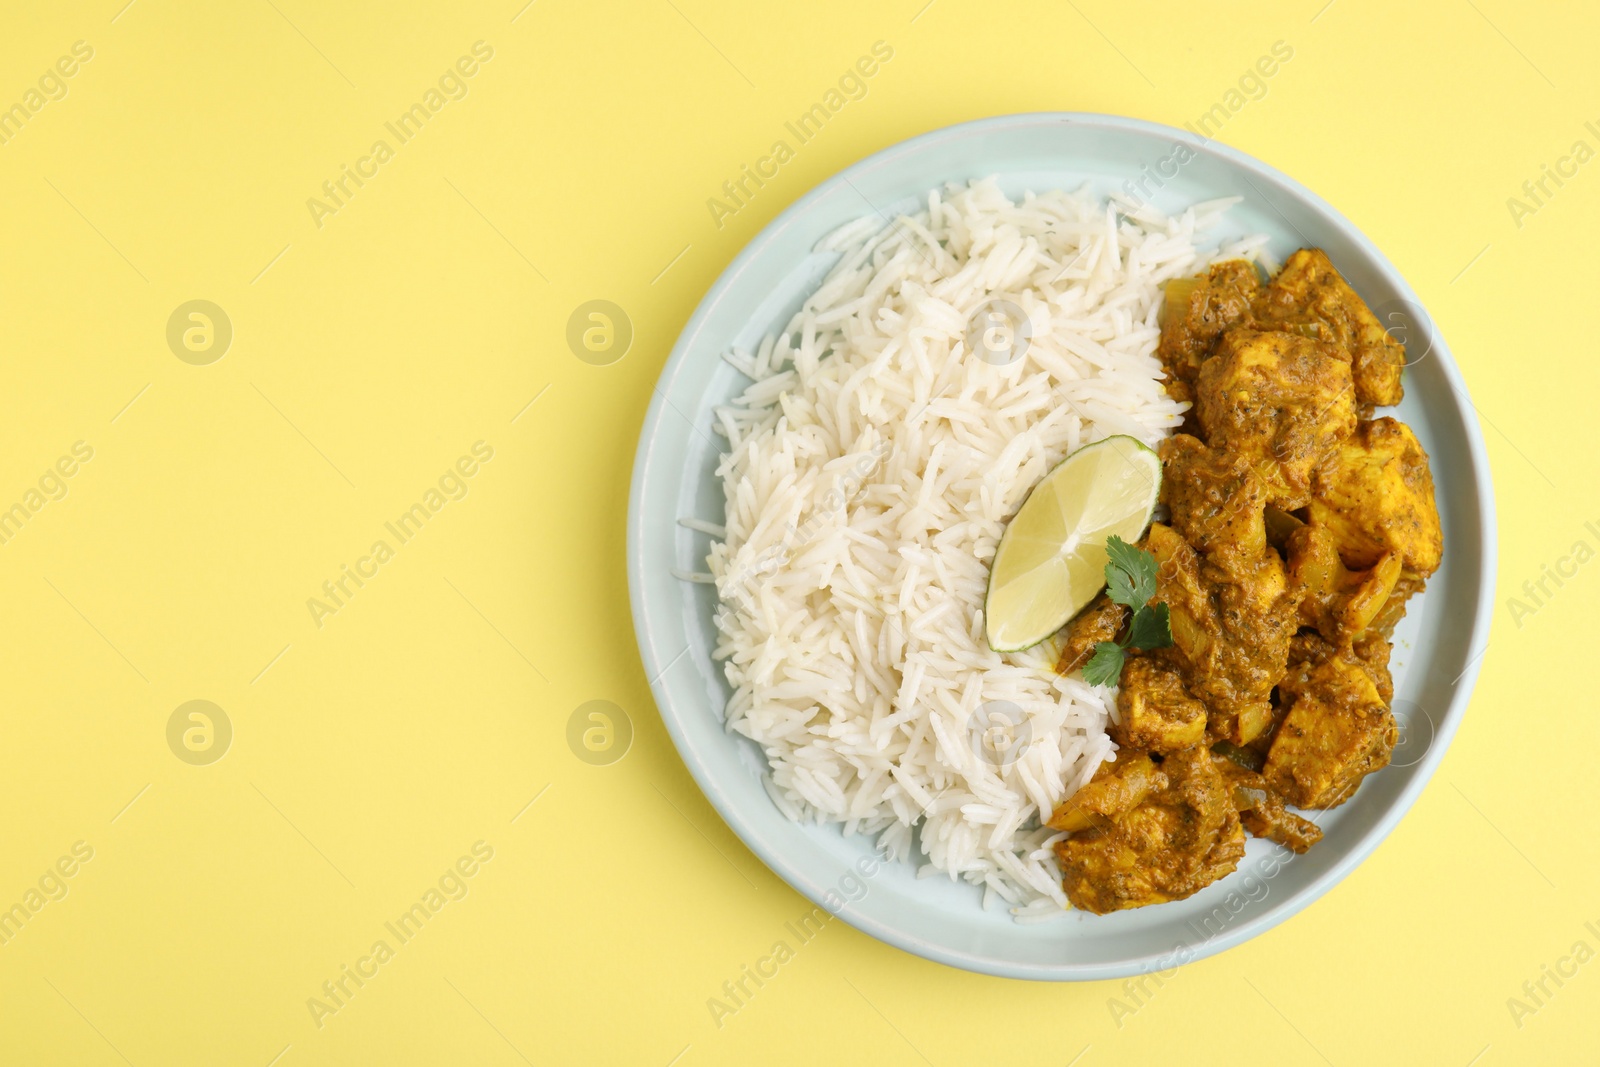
(370, 753)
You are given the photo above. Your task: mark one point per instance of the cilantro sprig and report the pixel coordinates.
(1131, 582)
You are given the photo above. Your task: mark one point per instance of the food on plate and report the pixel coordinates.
(1052, 558)
(1308, 297)
(949, 361)
(1130, 583)
(1173, 831)
(945, 616)
(1298, 526)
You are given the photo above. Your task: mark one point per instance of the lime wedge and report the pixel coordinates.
(1051, 560)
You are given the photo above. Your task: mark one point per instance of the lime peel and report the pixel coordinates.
(1052, 556)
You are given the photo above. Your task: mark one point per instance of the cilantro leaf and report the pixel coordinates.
(1130, 573)
(1123, 554)
(1151, 627)
(1105, 666)
(1131, 582)
(1119, 587)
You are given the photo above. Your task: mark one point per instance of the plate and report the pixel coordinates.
(1437, 648)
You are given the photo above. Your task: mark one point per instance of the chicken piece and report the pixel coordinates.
(1338, 730)
(1308, 650)
(1282, 402)
(1196, 312)
(1310, 295)
(1232, 618)
(1339, 602)
(1375, 495)
(1098, 622)
(1217, 501)
(1156, 711)
(1116, 788)
(1174, 843)
(1262, 811)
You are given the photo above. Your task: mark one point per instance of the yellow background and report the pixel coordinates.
(370, 353)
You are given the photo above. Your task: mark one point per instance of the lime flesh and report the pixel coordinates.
(1051, 560)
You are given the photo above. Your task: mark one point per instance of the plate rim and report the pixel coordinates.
(655, 663)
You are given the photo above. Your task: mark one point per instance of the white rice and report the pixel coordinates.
(872, 465)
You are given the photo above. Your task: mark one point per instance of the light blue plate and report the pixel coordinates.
(1437, 649)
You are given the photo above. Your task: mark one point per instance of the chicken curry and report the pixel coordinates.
(1298, 525)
